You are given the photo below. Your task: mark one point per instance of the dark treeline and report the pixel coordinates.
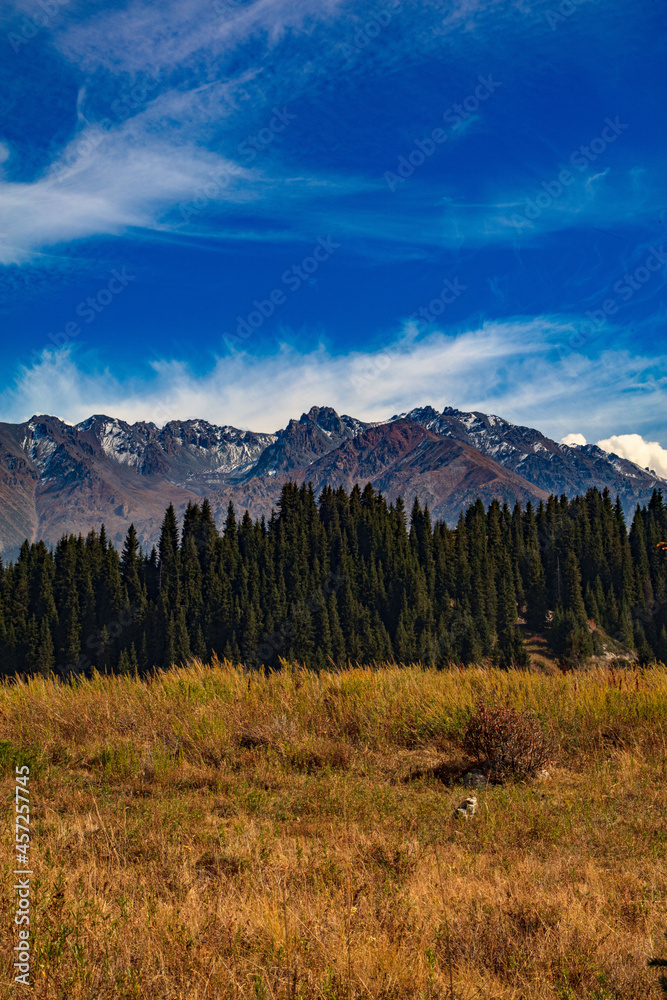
(342, 577)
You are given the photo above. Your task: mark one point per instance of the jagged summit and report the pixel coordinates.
(57, 477)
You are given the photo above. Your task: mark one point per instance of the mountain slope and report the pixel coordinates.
(554, 467)
(56, 478)
(405, 459)
(303, 441)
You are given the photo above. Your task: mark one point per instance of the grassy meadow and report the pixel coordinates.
(209, 834)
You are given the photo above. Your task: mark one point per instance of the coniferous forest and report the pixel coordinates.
(343, 577)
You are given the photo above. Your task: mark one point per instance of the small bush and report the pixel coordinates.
(512, 742)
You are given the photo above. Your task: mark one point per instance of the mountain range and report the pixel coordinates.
(56, 478)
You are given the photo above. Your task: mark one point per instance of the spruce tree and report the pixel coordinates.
(130, 568)
(342, 578)
(169, 564)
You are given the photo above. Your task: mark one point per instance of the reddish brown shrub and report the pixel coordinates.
(514, 743)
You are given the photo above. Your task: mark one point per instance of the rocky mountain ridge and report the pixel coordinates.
(552, 466)
(56, 478)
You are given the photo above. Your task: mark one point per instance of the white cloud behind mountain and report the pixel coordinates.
(573, 439)
(506, 368)
(648, 454)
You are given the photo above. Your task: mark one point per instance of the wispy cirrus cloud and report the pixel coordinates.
(129, 185)
(219, 67)
(182, 32)
(171, 187)
(129, 162)
(503, 368)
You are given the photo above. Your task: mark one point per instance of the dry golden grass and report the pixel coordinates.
(211, 834)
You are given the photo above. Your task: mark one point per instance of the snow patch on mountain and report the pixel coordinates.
(39, 446)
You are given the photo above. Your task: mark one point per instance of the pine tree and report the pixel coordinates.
(342, 578)
(536, 592)
(169, 564)
(130, 569)
(573, 599)
(338, 651)
(510, 650)
(625, 630)
(45, 660)
(181, 638)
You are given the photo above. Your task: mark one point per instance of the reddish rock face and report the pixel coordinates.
(56, 479)
(404, 459)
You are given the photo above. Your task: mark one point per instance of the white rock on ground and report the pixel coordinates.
(467, 808)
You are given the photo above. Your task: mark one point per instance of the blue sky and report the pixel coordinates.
(450, 203)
